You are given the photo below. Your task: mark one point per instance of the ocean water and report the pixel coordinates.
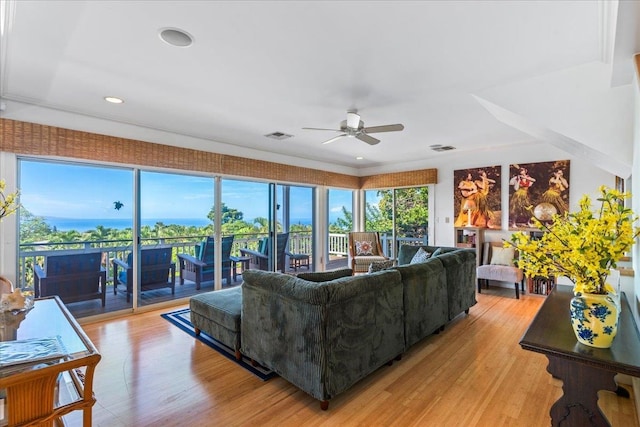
(86, 224)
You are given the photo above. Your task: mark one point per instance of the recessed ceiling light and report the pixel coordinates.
(113, 99)
(359, 158)
(176, 37)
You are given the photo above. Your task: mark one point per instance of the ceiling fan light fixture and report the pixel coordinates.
(353, 120)
(353, 127)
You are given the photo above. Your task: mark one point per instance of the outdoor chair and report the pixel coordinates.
(260, 258)
(73, 277)
(364, 249)
(200, 268)
(157, 271)
(297, 260)
(497, 263)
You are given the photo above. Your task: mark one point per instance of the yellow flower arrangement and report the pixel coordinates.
(580, 245)
(8, 203)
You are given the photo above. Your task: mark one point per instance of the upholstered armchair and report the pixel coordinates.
(364, 248)
(497, 264)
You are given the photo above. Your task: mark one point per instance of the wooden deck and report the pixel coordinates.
(115, 303)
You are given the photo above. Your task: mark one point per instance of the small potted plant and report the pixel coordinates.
(584, 246)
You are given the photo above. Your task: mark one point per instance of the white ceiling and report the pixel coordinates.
(472, 75)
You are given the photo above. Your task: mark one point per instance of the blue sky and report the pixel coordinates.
(75, 191)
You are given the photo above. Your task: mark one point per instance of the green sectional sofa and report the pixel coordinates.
(323, 332)
(322, 337)
(460, 265)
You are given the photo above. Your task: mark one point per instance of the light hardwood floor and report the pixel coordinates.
(472, 374)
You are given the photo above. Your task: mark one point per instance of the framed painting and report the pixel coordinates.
(537, 190)
(477, 195)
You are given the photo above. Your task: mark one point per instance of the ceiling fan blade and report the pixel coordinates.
(334, 138)
(368, 139)
(385, 128)
(332, 130)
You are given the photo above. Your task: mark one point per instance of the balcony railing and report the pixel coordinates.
(299, 243)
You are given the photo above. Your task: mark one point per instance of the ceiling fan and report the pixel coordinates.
(354, 127)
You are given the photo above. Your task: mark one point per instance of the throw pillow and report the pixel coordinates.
(437, 252)
(364, 248)
(380, 265)
(502, 256)
(420, 256)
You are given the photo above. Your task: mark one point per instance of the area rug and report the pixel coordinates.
(181, 319)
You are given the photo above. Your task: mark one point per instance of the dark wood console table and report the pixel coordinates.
(583, 370)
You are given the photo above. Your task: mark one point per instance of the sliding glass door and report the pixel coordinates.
(297, 206)
(74, 221)
(247, 215)
(401, 216)
(340, 220)
(158, 236)
(379, 217)
(412, 215)
(176, 217)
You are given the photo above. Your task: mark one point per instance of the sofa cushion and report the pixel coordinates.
(325, 276)
(368, 259)
(502, 256)
(420, 256)
(425, 298)
(461, 279)
(222, 307)
(406, 252)
(380, 265)
(364, 248)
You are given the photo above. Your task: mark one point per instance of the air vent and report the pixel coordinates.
(438, 147)
(278, 135)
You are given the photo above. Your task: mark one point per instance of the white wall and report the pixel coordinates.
(585, 178)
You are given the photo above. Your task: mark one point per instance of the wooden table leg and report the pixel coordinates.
(578, 405)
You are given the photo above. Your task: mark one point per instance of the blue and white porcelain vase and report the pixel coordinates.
(594, 319)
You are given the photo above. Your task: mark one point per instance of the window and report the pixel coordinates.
(401, 216)
(70, 209)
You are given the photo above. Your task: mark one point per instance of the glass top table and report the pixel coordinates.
(41, 393)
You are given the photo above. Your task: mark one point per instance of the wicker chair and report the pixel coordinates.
(364, 248)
